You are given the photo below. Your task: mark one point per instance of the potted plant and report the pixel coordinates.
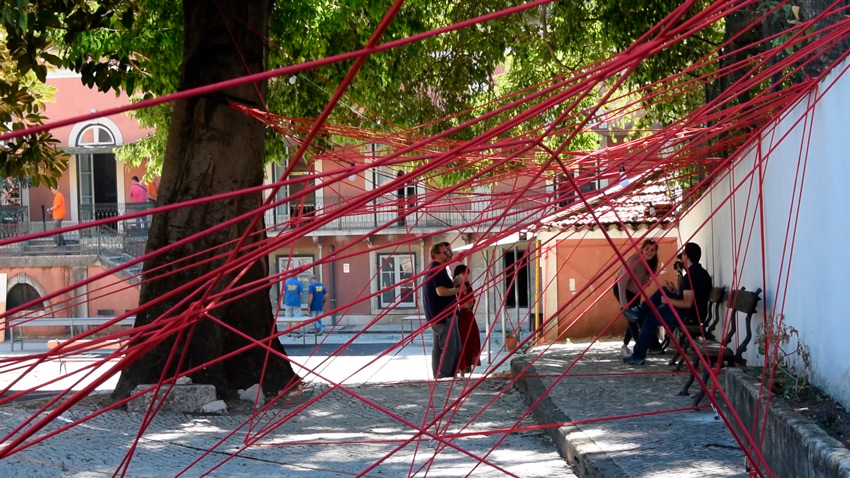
(512, 339)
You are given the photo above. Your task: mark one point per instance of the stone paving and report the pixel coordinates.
(341, 435)
(338, 435)
(682, 445)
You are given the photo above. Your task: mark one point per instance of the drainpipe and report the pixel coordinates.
(487, 298)
(516, 286)
(504, 307)
(332, 284)
(538, 318)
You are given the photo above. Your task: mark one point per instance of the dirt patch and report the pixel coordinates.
(812, 403)
(826, 413)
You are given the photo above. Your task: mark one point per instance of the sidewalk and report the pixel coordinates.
(344, 432)
(686, 444)
(401, 361)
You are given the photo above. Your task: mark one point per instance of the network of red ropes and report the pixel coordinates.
(696, 150)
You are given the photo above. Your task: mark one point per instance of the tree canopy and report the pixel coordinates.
(134, 46)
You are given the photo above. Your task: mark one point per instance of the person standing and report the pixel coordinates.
(58, 211)
(401, 202)
(292, 290)
(316, 298)
(153, 191)
(438, 297)
(139, 196)
(470, 336)
(627, 287)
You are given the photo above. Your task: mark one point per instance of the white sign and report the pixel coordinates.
(346, 268)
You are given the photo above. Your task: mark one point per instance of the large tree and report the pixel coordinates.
(213, 149)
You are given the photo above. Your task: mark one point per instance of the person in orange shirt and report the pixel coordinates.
(153, 191)
(58, 210)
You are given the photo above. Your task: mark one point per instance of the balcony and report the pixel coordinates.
(118, 239)
(127, 237)
(449, 212)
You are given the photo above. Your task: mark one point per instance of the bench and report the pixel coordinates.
(92, 353)
(295, 323)
(415, 322)
(696, 330)
(20, 323)
(721, 354)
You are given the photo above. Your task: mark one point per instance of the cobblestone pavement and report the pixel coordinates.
(682, 445)
(338, 435)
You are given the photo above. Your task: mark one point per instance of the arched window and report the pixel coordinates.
(95, 135)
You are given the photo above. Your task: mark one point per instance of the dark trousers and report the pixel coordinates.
(651, 323)
(60, 241)
(446, 349)
(632, 329)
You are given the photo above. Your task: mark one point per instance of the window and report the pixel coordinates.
(296, 262)
(286, 210)
(390, 206)
(585, 178)
(95, 135)
(396, 270)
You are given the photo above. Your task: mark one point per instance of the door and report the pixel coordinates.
(98, 187)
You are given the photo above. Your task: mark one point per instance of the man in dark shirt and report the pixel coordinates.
(438, 297)
(691, 305)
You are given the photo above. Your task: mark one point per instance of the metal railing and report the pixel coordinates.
(115, 238)
(129, 236)
(451, 211)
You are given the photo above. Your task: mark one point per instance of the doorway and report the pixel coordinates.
(514, 258)
(19, 295)
(98, 187)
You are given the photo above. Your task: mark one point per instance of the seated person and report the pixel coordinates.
(691, 303)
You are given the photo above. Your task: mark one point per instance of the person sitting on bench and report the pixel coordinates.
(691, 304)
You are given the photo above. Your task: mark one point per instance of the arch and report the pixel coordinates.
(23, 278)
(20, 294)
(20, 290)
(104, 125)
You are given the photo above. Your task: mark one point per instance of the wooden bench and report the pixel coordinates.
(20, 323)
(296, 323)
(696, 330)
(742, 301)
(415, 322)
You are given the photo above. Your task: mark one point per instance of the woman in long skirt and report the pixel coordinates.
(470, 338)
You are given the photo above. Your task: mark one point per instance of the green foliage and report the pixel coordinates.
(150, 150)
(22, 101)
(135, 46)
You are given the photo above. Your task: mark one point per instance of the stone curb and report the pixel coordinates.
(581, 452)
(794, 446)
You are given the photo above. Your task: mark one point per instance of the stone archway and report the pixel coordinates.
(20, 290)
(18, 295)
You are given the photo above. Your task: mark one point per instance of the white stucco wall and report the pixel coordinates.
(815, 260)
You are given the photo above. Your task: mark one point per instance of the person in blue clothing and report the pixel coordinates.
(292, 290)
(316, 298)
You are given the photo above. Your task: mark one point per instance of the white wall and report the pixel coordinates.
(816, 302)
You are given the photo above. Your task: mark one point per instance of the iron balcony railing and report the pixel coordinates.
(391, 213)
(117, 238)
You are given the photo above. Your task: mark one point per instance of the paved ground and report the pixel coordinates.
(682, 445)
(341, 435)
(337, 435)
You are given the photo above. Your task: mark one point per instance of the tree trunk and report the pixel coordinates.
(212, 149)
